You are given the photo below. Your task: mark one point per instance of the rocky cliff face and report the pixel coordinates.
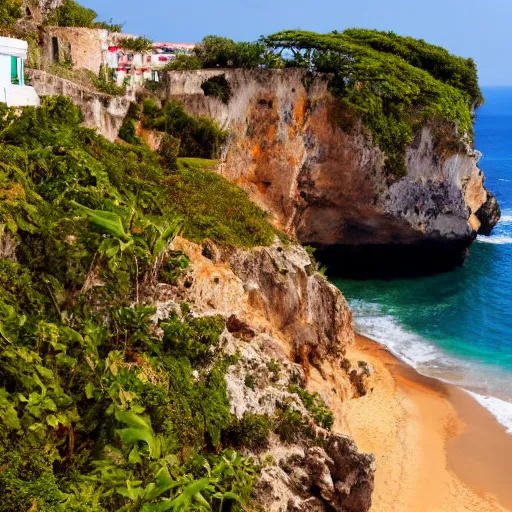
(39, 10)
(284, 321)
(315, 168)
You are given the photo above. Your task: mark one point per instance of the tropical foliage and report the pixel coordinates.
(103, 407)
(72, 14)
(393, 83)
(199, 137)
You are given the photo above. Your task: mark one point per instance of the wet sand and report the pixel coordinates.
(436, 448)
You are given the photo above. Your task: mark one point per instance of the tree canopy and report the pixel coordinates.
(395, 83)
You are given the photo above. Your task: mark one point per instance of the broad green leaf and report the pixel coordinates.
(52, 420)
(132, 491)
(89, 390)
(164, 483)
(134, 457)
(188, 494)
(109, 222)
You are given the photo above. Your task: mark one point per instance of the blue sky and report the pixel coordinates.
(470, 28)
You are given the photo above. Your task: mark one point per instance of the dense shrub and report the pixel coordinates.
(218, 87)
(394, 84)
(150, 107)
(215, 51)
(169, 151)
(456, 71)
(215, 208)
(99, 409)
(128, 131)
(72, 14)
(137, 44)
(184, 62)
(250, 432)
(200, 136)
(10, 12)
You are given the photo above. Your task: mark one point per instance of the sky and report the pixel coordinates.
(470, 28)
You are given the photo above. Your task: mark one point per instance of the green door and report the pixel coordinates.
(15, 78)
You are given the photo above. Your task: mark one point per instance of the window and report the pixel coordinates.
(15, 71)
(55, 49)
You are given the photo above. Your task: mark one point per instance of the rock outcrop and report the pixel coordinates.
(335, 477)
(274, 290)
(283, 319)
(39, 10)
(315, 168)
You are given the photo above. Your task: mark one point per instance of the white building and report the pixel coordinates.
(13, 90)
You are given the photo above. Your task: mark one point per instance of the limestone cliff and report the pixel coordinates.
(284, 322)
(316, 169)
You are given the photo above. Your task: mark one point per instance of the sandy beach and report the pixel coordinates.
(436, 448)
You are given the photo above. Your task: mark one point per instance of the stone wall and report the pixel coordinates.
(84, 48)
(103, 112)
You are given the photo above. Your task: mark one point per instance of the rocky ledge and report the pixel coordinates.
(284, 321)
(316, 170)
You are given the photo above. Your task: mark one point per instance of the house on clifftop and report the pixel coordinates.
(13, 91)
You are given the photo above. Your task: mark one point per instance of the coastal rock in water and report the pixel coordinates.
(488, 214)
(308, 161)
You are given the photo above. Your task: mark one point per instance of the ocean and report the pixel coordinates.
(457, 326)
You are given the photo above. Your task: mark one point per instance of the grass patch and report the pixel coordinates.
(215, 208)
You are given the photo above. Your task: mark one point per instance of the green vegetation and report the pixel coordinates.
(218, 87)
(456, 71)
(138, 44)
(250, 381)
(72, 14)
(215, 51)
(215, 208)
(84, 77)
(322, 416)
(183, 62)
(250, 432)
(275, 368)
(10, 12)
(104, 82)
(127, 132)
(394, 84)
(222, 52)
(110, 25)
(199, 137)
(99, 412)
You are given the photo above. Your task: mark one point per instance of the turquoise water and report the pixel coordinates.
(458, 326)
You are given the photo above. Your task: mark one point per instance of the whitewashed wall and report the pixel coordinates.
(5, 70)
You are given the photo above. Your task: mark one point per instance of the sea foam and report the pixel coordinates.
(500, 409)
(431, 361)
(496, 239)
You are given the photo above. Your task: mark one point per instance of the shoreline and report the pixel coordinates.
(436, 447)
